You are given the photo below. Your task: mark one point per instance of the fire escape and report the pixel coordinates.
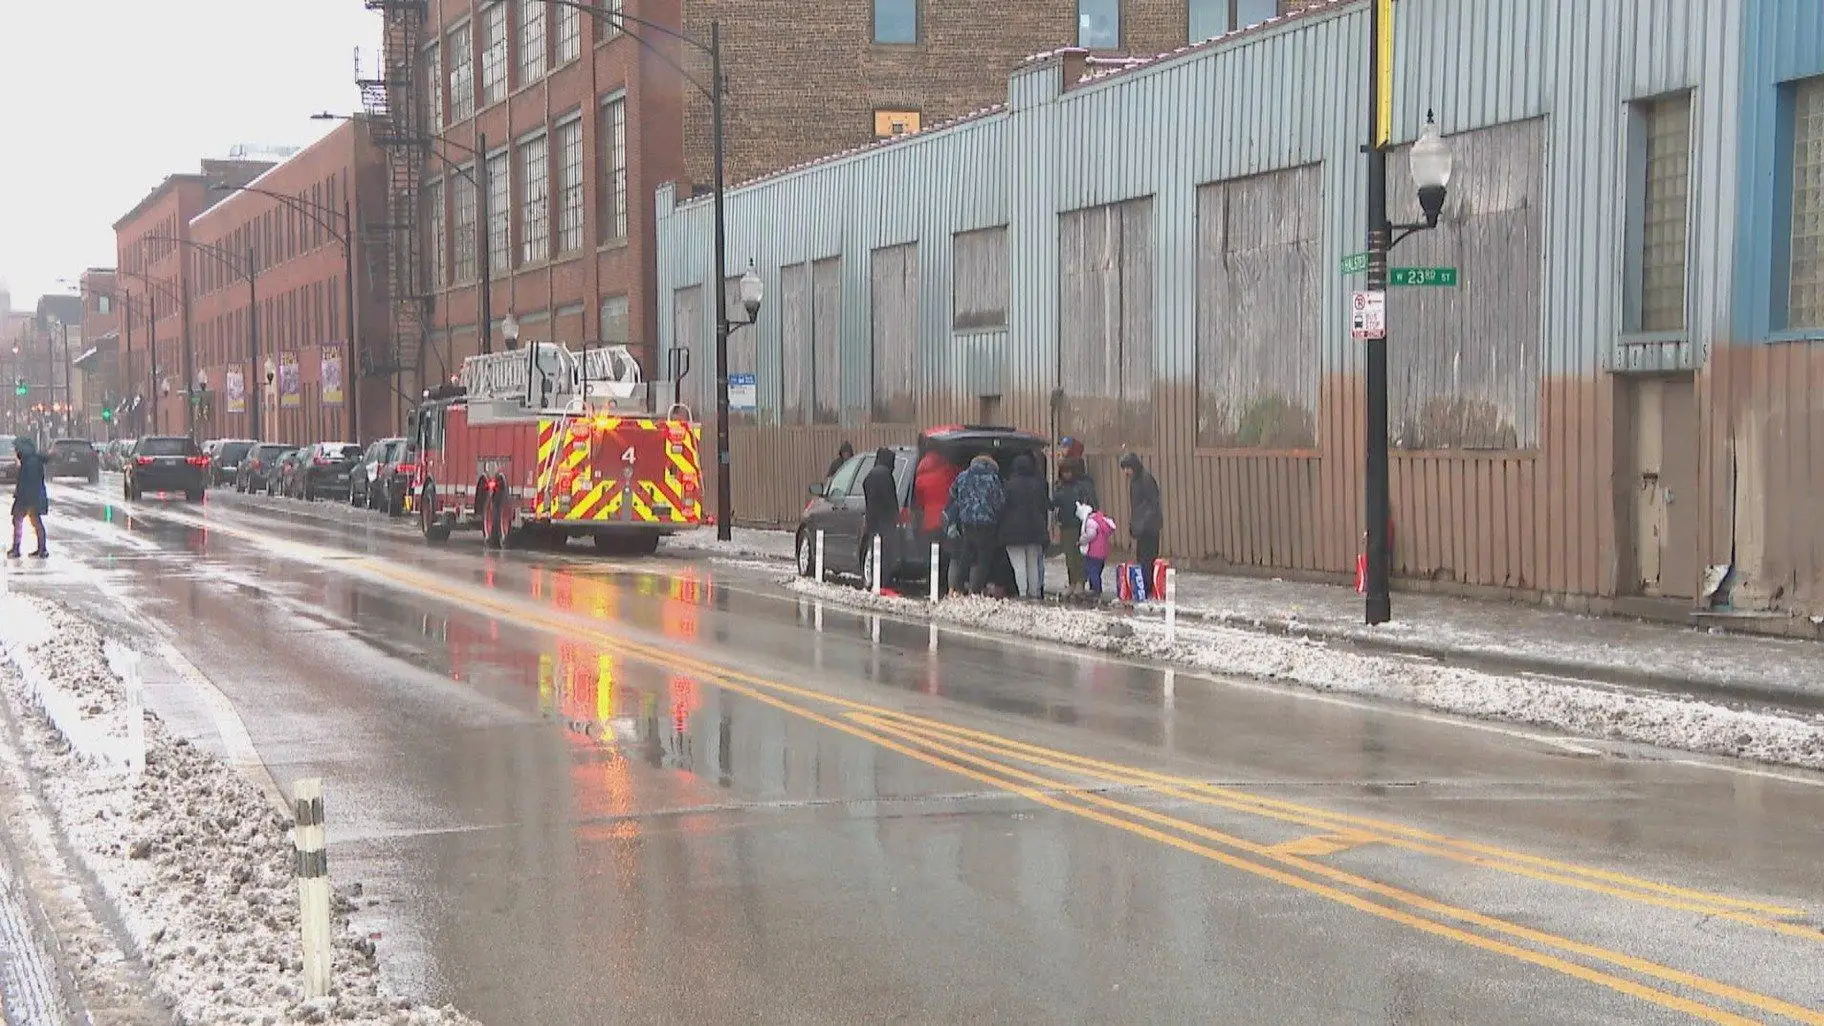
(397, 113)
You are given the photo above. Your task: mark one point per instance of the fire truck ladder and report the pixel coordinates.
(397, 112)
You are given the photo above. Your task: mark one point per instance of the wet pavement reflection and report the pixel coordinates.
(677, 792)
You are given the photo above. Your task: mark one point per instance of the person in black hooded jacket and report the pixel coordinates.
(1024, 529)
(880, 499)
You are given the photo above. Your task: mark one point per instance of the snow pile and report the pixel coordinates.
(747, 542)
(1668, 722)
(194, 859)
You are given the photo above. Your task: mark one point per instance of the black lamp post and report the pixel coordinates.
(1431, 164)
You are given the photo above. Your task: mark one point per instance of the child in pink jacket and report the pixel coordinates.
(1097, 537)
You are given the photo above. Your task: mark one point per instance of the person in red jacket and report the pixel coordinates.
(930, 494)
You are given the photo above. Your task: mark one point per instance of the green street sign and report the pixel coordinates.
(1355, 263)
(1445, 276)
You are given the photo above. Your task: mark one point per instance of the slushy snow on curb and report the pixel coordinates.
(192, 856)
(1685, 724)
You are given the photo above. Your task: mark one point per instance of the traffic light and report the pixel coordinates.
(19, 386)
(107, 415)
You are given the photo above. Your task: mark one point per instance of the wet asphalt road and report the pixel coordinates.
(579, 791)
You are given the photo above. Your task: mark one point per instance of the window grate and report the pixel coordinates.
(1805, 300)
(1664, 228)
(535, 200)
(532, 41)
(494, 52)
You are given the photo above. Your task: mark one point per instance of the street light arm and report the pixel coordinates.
(168, 290)
(314, 211)
(455, 167)
(226, 256)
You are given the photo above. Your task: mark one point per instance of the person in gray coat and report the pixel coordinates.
(1145, 512)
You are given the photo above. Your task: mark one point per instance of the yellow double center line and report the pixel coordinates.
(990, 759)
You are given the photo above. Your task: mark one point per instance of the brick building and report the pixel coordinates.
(99, 363)
(148, 240)
(582, 122)
(329, 376)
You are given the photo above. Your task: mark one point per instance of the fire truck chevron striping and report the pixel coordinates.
(534, 446)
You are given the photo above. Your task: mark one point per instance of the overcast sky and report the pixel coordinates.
(101, 99)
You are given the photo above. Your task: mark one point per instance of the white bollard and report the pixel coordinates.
(1171, 605)
(880, 572)
(874, 632)
(934, 637)
(136, 719)
(937, 569)
(313, 884)
(820, 555)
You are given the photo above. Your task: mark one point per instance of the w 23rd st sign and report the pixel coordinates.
(1357, 263)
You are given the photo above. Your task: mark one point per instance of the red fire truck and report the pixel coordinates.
(542, 444)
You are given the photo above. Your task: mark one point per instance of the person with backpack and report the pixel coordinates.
(31, 497)
(1095, 540)
(1023, 527)
(977, 500)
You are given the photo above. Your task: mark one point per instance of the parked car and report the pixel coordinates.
(9, 461)
(73, 457)
(225, 459)
(324, 470)
(836, 505)
(396, 477)
(285, 473)
(166, 463)
(258, 466)
(364, 479)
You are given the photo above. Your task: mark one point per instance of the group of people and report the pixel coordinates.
(979, 512)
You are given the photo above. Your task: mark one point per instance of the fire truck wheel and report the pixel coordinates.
(435, 531)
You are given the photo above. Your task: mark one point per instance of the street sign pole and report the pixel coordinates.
(1378, 602)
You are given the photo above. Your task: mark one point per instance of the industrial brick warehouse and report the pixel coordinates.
(1609, 390)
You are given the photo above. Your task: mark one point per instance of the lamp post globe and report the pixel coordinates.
(1432, 163)
(509, 330)
(753, 291)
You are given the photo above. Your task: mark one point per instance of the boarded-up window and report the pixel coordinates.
(1805, 302)
(826, 340)
(893, 291)
(687, 334)
(614, 321)
(795, 372)
(1666, 126)
(979, 274)
(1464, 362)
(1258, 304)
(1105, 311)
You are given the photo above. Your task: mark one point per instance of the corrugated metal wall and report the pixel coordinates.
(1542, 91)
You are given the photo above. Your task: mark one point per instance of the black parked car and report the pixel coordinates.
(258, 471)
(836, 506)
(324, 470)
(225, 459)
(364, 480)
(167, 463)
(73, 457)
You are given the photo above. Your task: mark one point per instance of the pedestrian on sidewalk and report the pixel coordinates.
(1024, 530)
(843, 455)
(931, 483)
(1075, 487)
(1145, 510)
(31, 498)
(1094, 540)
(977, 500)
(880, 504)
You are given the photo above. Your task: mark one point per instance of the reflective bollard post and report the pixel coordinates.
(313, 885)
(937, 568)
(820, 555)
(1171, 605)
(880, 572)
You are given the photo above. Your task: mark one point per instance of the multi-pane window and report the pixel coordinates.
(1667, 128)
(569, 34)
(465, 224)
(1099, 24)
(608, 23)
(500, 209)
(461, 52)
(1211, 18)
(531, 40)
(494, 52)
(433, 82)
(535, 200)
(570, 185)
(1805, 297)
(434, 216)
(896, 21)
(614, 321)
(613, 162)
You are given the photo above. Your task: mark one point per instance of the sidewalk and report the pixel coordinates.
(1491, 636)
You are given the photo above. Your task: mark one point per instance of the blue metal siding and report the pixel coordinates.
(1784, 42)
